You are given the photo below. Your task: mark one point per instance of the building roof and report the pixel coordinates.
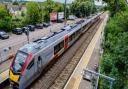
(14, 8)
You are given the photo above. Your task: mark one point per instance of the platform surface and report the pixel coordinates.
(4, 76)
(4, 70)
(76, 77)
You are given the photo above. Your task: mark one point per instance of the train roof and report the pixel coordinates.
(38, 44)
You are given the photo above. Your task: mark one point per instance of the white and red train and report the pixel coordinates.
(31, 59)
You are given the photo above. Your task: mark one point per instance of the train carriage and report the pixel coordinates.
(31, 59)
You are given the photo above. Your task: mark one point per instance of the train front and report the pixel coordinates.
(17, 68)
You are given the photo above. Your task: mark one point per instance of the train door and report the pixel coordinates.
(39, 63)
(66, 42)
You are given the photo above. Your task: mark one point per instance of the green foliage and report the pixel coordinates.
(23, 3)
(46, 17)
(5, 19)
(116, 6)
(82, 8)
(115, 58)
(51, 6)
(34, 13)
(18, 21)
(38, 12)
(15, 3)
(58, 7)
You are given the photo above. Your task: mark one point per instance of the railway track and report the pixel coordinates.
(66, 73)
(57, 74)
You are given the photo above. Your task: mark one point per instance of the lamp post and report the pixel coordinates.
(92, 3)
(65, 12)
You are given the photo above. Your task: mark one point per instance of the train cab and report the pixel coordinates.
(17, 67)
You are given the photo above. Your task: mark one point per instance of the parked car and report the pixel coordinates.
(25, 28)
(39, 26)
(60, 21)
(71, 17)
(3, 35)
(46, 24)
(31, 27)
(17, 31)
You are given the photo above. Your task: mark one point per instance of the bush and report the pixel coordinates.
(115, 58)
(5, 19)
(15, 3)
(82, 8)
(34, 13)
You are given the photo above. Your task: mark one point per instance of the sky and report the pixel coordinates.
(62, 1)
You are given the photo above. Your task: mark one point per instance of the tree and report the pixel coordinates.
(58, 7)
(51, 6)
(15, 3)
(114, 62)
(46, 17)
(5, 19)
(116, 6)
(23, 3)
(34, 13)
(82, 9)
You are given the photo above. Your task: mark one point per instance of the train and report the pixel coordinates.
(31, 59)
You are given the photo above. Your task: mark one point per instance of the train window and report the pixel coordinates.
(58, 47)
(84, 27)
(19, 61)
(73, 35)
(39, 58)
(77, 32)
(61, 44)
(70, 38)
(30, 64)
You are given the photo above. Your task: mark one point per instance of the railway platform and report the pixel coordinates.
(4, 70)
(4, 76)
(76, 79)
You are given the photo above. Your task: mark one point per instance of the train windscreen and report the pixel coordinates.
(19, 61)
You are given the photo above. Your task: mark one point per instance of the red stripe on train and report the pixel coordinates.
(66, 42)
(26, 63)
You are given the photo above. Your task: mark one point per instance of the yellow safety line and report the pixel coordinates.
(4, 75)
(75, 79)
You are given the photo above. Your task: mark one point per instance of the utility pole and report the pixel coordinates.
(27, 34)
(92, 3)
(65, 12)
